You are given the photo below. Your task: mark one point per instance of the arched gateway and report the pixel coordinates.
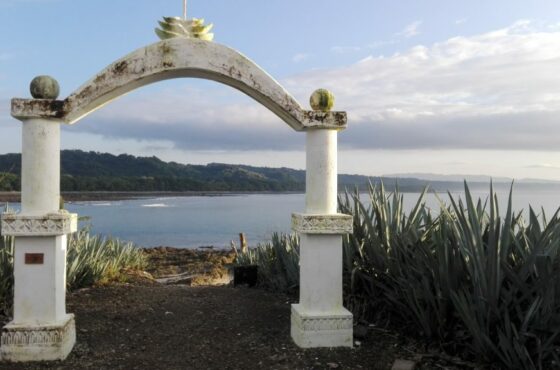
(41, 329)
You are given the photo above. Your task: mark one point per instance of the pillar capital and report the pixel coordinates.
(24, 109)
(318, 120)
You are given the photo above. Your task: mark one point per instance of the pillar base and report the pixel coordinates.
(27, 342)
(325, 329)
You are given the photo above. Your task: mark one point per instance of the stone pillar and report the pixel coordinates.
(319, 319)
(40, 166)
(41, 330)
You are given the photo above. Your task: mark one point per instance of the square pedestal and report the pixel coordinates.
(25, 342)
(325, 329)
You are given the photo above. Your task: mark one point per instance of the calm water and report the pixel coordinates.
(203, 221)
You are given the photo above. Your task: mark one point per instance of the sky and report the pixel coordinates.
(447, 87)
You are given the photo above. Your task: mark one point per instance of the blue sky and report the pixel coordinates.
(466, 87)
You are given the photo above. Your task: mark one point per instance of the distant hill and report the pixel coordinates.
(93, 171)
(469, 178)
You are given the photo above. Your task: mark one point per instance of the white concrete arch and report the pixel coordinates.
(176, 58)
(41, 328)
(181, 57)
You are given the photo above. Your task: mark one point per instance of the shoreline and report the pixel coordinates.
(84, 196)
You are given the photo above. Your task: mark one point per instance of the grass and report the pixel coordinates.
(481, 283)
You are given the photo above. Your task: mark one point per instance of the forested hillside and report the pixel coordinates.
(93, 171)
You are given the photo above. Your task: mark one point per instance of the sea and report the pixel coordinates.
(215, 221)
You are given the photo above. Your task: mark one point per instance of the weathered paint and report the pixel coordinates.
(180, 58)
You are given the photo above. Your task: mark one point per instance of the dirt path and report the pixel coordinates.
(181, 327)
(146, 325)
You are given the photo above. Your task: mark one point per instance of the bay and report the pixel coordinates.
(193, 221)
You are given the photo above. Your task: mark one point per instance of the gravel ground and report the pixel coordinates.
(146, 325)
(183, 327)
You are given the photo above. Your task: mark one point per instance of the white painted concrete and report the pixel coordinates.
(180, 57)
(41, 329)
(321, 329)
(320, 320)
(40, 290)
(320, 273)
(40, 166)
(321, 172)
(47, 342)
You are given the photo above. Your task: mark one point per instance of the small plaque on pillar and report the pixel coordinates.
(34, 258)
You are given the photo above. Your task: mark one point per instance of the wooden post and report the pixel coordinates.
(243, 242)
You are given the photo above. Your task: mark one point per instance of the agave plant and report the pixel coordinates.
(6, 270)
(510, 302)
(6, 274)
(479, 282)
(172, 27)
(278, 262)
(93, 259)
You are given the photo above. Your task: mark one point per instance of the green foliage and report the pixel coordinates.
(278, 262)
(92, 171)
(9, 182)
(483, 284)
(93, 259)
(469, 277)
(6, 274)
(107, 172)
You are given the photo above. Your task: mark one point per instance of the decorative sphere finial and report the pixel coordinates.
(321, 100)
(44, 87)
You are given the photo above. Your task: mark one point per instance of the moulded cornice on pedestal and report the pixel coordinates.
(322, 224)
(52, 224)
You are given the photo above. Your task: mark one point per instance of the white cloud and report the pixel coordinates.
(497, 90)
(548, 166)
(411, 29)
(460, 21)
(195, 119)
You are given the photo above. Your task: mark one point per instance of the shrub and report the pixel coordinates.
(278, 262)
(481, 283)
(93, 259)
(6, 274)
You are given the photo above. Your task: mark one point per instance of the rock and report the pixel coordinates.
(403, 365)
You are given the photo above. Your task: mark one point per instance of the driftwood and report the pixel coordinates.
(243, 242)
(185, 277)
